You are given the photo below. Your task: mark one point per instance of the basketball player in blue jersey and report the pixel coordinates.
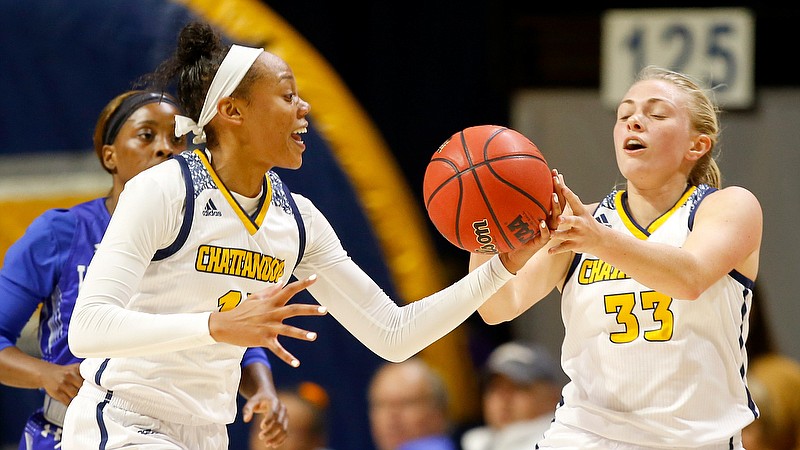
(47, 266)
(197, 259)
(656, 285)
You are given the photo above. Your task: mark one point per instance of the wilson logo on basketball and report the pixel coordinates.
(484, 237)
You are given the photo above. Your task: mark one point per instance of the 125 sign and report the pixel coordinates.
(715, 45)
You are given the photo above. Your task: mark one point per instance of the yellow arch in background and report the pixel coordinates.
(364, 156)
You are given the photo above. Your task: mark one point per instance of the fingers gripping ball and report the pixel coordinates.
(487, 188)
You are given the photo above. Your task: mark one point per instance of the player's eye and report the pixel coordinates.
(624, 112)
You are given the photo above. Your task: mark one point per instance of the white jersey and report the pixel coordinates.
(645, 368)
(141, 319)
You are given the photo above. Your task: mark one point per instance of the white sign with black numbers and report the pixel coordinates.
(715, 45)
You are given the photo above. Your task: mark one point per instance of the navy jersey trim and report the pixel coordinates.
(187, 216)
(747, 293)
(252, 218)
(100, 370)
(100, 422)
(705, 190)
(746, 282)
(629, 216)
(576, 259)
(301, 228)
(264, 188)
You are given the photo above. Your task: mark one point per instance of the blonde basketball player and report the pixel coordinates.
(656, 282)
(195, 263)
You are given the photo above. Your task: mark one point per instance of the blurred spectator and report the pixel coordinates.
(408, 408)
(774, 382)
(306, 406)
(522, 385)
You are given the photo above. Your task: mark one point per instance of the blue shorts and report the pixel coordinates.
(40, 434)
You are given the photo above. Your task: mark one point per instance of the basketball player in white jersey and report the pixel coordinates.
(45, 269)
(195, 263)
(656, 282)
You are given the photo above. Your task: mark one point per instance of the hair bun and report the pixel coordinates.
(197, 41)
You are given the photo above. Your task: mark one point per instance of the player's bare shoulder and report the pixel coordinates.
(734, 200)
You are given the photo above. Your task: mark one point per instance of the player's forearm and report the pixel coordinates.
(256, 377)
(670, 270)
(541, 273)
(501, 306)
(103, 331)
(20, 370)
(396, 333)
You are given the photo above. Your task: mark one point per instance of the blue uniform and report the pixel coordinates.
(46, 266)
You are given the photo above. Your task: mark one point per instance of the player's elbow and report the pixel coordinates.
(77, 344)
(502, 308)
(491, 317)
(78, 337)
(688, 289)
(690, 293)
(396, 347)
(395, 354)
(397, 359)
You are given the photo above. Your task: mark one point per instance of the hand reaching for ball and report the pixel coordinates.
(577, 230)
(514, 260)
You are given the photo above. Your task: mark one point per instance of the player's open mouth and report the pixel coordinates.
(633, 144)
(296, 134)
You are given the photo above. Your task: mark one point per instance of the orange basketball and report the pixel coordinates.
(487, 188)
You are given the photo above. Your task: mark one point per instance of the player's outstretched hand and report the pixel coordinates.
(258, 321)
(578, 231)
(273, 418)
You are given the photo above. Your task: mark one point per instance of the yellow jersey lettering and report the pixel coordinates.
(596, 270)
(237, 256)
(605, 272)
(201, 263)
(247, 268)
(585, 271)
(240, 263)
(213, 260)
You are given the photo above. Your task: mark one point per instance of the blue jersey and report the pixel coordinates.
(47, 266)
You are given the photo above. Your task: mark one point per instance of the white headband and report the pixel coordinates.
(230, 73)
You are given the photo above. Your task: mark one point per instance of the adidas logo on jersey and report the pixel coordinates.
(602, 219)
(211, 209)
